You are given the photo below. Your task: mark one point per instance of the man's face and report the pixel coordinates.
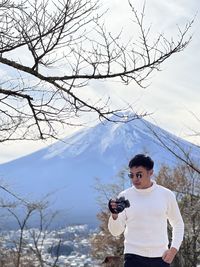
(141, 177)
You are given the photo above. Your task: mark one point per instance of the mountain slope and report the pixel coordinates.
(68, 168)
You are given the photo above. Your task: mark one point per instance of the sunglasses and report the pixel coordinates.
(138, 175)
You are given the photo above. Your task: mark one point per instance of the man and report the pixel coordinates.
(144, 223)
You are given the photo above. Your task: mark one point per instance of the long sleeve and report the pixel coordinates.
(176, 221)
(117, 227)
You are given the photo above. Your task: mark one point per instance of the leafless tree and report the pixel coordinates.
(51, 50)
(19, 253)
(39, 235)
(173, 144)
(23, 212)
(194, 132)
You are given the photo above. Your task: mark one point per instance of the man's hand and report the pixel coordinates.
(118, 205)
(114, 216)
(169, 255)
(112, 205)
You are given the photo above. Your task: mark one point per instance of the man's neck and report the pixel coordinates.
(148, 185)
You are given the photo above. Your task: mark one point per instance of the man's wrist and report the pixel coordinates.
(174, 250)
(114, 216)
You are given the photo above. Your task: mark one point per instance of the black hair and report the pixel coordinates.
(141, 160)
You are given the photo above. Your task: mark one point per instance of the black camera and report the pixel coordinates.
(121, 202)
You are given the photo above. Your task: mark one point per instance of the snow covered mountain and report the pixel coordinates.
(68, 168)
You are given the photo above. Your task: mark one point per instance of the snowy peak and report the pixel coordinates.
(107, 136)
(72, 145)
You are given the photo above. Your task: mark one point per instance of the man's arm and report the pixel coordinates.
(116, 223)
(176, 221)
(114, 216)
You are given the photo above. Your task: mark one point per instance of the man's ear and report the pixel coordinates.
(151, 172)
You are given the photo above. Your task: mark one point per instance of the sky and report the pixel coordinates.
(173, 94)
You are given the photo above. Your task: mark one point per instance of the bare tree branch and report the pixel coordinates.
(175, 148)
(66, 46)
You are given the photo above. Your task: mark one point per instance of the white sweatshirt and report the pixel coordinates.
(144, 223)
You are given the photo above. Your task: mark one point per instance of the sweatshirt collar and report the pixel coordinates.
(146, 190)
